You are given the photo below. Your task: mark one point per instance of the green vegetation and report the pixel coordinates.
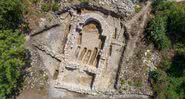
(122, 81)
(137, 8)
(137, 83)
(130, 83)
(158, 34)
(167, 24)
(45, 7)
(11, 60)
(167, 30)
(10, 13)
(55, 6)
(84, 1)
(35, 1)
(12, 51)
(50, 6)
(169, 80)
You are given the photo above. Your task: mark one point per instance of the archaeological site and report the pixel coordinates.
(93, 49)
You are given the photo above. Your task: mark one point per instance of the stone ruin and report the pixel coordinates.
(81, 47)
(91, 55)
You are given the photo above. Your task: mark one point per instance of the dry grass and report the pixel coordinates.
(32, 14)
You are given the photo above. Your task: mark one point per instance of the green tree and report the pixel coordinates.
(12, 50)
(176, 23)
(168, 80)
(10, 13)
(11, 60)
(158, 31)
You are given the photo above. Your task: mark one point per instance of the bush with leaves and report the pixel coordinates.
(175, 18)
(158, 34)
(45, 7)
(12, 50)
(50, 6)
(55, 6)
(163, 7)
(10, 13)
(169, 18)
(11, 60)
(176, 23)
(168, 80)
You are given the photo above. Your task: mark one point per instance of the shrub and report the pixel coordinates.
(175, 14)
(180, 48)
(11, 60)
(169, 80)
(161, 85)
(169, 83)
(10, 13)
(165, 64)
(138, 83)
(177, 67)
(176, 23)
(157, 28)
(137, 8)
(11, 46)
(48, 6)
(163, 7)
(35, 1)
(55, 6)
(122, 81)
(45, 7)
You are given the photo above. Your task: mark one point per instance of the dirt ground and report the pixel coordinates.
(35, 94)
(32, 94)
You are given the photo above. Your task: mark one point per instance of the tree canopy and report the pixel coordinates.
(10, 13)
(12, 49)
(168, 24)
(11, 60)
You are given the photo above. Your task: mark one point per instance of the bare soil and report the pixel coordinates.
(32, 94)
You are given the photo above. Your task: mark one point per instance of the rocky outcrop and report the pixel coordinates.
(117, 8)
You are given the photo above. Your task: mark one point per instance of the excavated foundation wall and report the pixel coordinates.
(87, 48)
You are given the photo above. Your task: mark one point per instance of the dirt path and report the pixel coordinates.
(135, 27)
